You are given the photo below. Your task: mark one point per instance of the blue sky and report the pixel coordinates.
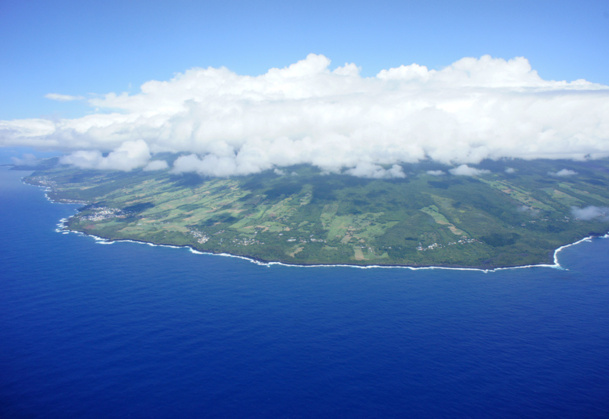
(83, 47)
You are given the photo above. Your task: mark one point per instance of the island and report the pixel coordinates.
(501, 213)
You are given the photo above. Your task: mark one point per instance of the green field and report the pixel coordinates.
(500, 218)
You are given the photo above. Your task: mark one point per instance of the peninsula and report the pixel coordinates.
(496, 214)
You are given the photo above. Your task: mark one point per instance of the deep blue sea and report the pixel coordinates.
(131, 330)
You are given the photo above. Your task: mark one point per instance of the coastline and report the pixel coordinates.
(62, 228)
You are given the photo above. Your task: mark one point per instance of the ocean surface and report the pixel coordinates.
(132, 330)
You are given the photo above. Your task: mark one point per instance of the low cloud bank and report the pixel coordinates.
(229, 124)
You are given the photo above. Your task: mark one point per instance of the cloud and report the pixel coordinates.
(374, 171)
(529, 210)
(436, 172)
(465, 170)
(563, 173)
(156, 165)
(26, 160)
(591, 213)
(308, 113)
(128, 156)
(62, 98)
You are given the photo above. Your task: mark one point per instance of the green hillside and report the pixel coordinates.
(513, 213)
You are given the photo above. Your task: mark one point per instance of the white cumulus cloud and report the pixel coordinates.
(128, 156)
(230, 124)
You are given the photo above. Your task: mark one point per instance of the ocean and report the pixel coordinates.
(132, 330)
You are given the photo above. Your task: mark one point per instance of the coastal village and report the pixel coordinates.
(98, 214)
